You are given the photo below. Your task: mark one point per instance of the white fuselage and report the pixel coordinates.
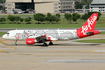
(24, 34)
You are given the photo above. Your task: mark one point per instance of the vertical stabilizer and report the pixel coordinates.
(89, 26)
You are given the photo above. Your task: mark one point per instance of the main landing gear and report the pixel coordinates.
(50, 43)
(45, 44)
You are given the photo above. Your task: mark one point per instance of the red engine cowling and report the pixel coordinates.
(30, 41)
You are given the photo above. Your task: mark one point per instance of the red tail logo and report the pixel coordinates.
(88, 26)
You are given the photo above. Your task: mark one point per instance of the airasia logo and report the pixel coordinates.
(89, 24)
(18, 35)
(29, 42)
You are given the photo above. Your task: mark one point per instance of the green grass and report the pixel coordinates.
(40, 26)
(2, 33)
(60, 24)
(92, 41)
(102, 32)
(103, 14)
(64, 25)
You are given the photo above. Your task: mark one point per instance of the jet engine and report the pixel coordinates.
(30, 41)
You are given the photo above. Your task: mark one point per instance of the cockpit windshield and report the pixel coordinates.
(7, 33)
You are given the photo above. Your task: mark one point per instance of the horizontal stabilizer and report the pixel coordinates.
(89, 33)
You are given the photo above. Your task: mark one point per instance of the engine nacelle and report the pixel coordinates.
(30, 41)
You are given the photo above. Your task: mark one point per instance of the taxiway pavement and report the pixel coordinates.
(63, 55)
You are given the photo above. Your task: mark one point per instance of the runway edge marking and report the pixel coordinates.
(98, 50)
(2, 51)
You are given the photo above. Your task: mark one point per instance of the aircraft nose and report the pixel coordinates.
(4, 36)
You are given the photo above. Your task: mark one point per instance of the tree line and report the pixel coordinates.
(39, 18)
(79, 5)
(76, 16)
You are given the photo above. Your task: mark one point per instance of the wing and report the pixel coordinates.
(39, 39)
(50, 38)
(46, 38)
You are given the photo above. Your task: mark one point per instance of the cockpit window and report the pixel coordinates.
(7, 33)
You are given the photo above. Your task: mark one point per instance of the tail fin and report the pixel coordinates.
(89, 26)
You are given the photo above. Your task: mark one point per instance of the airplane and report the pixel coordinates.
(42, 36)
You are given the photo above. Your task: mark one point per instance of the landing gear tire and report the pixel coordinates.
(50, 43)
(45, 44)
(15, 43)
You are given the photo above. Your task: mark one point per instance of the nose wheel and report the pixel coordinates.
(15, 43)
